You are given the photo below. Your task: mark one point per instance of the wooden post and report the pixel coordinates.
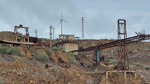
(125, 75)
(134, 75)
(107, 77)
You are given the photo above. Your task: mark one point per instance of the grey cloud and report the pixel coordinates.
(100, 15)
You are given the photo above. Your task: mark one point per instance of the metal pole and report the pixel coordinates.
(53, 32)
(35, 32)
(50, 42)
(61, 26)
(82, 27)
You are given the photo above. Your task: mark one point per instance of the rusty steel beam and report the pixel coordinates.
(129, 40)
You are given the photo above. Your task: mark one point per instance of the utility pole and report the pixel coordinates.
(82, 27)
(35, 32)
(50, 42)
(53, 32)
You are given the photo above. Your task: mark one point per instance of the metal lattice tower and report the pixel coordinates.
(82, 27)
(50, 42)
(123, 61)
(35, 32)
(53, 32)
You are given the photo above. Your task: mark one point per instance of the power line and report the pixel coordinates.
(108, 34)
(113, 34)
(134, 29)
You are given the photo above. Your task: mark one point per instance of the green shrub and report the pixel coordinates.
(72, 59)
(13, 51)
(130, 52)
(54, 70)
(133, 51)
(42, 57)
(113, 61)
(147, 67)
(70, 53)
(148, 54)
(10, 51)
(3, 50)
(29, 46)
(136, 63)
(55, 49)
(1, 81)
(48, 52)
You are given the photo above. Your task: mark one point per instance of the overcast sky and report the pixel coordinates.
(100, 16)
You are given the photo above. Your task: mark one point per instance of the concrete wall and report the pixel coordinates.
(70, 46)
(70, 37)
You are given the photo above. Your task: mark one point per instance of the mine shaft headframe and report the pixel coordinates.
(21, 26)
(123, 61)
(25, 38)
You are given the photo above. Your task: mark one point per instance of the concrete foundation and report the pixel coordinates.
(124, 72)
(70, 47)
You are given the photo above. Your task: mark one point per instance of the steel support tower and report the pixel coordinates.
(96, 56)
(123, 61)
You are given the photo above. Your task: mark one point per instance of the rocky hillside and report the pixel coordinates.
(40, 65)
